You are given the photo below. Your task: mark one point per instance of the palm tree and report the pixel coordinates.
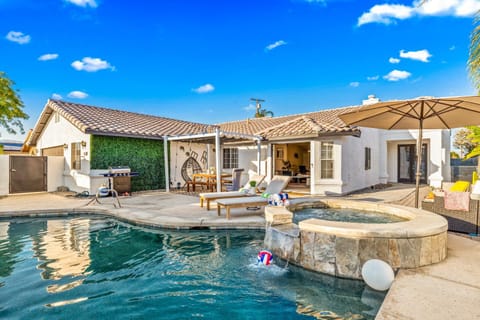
(260, 113)
(263, 113)
(473, 63)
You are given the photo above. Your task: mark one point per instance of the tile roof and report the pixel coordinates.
(325, 122)
(103, 121)
(111, 122)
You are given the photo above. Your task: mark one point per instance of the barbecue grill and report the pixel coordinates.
(119, 178)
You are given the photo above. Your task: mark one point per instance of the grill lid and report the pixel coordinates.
(119, 169)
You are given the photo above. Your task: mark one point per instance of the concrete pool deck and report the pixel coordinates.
(446, 290)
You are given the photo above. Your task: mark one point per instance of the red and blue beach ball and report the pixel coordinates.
(265, 257)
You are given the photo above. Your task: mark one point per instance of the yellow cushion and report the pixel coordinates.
(460, 186)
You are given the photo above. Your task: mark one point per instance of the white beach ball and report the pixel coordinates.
(378, 274)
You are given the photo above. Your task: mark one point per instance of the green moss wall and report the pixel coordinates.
(141, 155)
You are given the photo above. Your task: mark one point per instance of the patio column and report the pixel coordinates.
(209, 147)
(165, 159)
(259, 156)
(217, 159)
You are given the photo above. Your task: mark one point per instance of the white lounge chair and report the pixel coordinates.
(277, 185)
(212, 196)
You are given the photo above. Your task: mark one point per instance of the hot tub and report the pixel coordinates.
(341, 248)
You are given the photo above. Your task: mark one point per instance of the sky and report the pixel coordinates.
(203, 61)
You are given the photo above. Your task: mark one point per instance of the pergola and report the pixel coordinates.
(218, 137)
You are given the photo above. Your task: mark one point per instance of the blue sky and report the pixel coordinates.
(203, 60)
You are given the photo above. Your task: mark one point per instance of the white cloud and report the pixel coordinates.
(48, 56)
(452, 48)
(77, 95)
(354, 84)
(250, 107)
(204, 89)
(18, 37)
(389, 13)
(275, 45)
(373, 78)
(56, 96)
(385, 13)
(420, 55)
(396, 75)
(91, 64)
(458, 8)
(84, 3)
(394, 60)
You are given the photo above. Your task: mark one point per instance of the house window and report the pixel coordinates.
(368, 158)
(326, 160)
(76, 156)
(230, 158)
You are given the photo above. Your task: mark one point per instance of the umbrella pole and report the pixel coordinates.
(419, 161)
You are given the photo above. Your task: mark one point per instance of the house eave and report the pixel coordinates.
(314, 136)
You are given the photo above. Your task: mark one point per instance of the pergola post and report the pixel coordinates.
(209, 147)
(259, 156)
(217, 159)
(165, 159)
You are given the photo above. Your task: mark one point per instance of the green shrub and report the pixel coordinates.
(144, 156)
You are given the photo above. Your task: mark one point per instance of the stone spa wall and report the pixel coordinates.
(341, 248)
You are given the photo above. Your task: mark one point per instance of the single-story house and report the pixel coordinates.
(320, 152)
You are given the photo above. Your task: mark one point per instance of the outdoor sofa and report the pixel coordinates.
(465, 218)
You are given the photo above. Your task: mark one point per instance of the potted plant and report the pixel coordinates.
(252, 184)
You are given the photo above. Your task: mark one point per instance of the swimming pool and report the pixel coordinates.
(86, 268)
(345, 215)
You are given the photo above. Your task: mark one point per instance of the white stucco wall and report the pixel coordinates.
(354, 175)
(4, 174)
(55, 169)
(438, 158)
(180, 152)
(63, 132)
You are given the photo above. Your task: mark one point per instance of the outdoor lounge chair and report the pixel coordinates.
(277, 185)
(212, 196)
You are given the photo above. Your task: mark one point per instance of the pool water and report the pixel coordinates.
(94, 268)
(345, 215)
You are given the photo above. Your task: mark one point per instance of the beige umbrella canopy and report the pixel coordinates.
(421, 113)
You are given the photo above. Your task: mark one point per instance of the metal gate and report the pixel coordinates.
(28, 174)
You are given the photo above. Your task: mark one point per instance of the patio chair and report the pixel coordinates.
(234, 183)
(212, 196)
(277, 185)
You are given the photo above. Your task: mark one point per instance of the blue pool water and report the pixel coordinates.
(345, 215)
(95, 268)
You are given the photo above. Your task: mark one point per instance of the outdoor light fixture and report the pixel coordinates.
(65, 146)
(83, 143)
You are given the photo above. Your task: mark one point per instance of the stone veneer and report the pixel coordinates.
(341, 248)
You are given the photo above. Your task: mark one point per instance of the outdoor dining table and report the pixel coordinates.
(208, 179)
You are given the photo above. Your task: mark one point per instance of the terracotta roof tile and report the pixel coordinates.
(103, 121)
(307, 124)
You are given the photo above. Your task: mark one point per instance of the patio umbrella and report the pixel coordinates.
(421, 113)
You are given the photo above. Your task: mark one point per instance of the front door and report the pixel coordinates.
(407, 163)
